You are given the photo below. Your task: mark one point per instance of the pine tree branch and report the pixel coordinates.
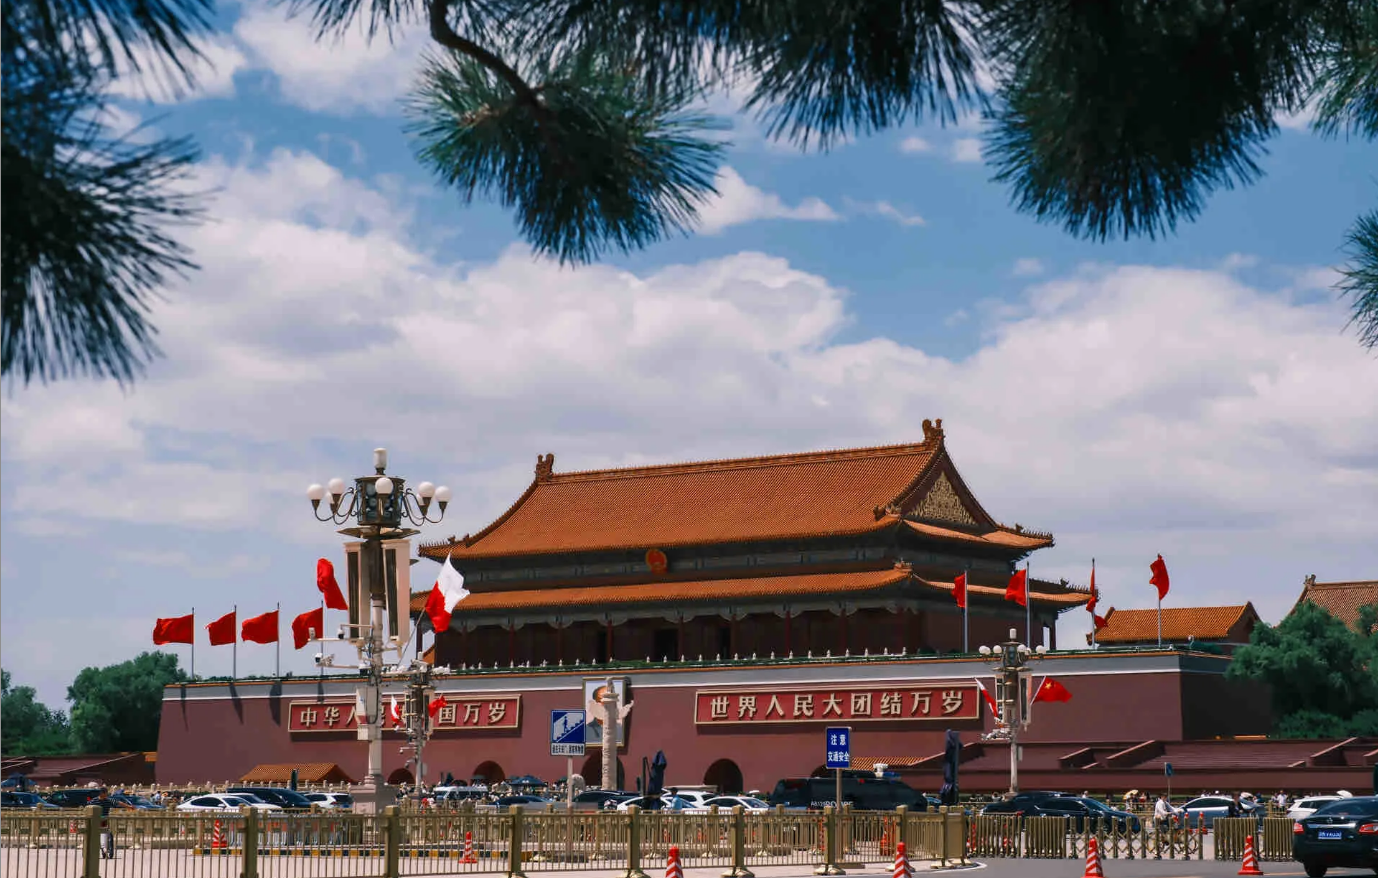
(446, 36)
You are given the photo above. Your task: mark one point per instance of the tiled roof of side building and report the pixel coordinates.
(1179, 624)
(763, 587)
(789, 496)
(1342, 599)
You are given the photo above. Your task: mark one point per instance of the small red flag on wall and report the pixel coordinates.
(959, 590)
(1018, 589)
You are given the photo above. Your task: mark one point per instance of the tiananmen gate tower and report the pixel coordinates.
(743, 605)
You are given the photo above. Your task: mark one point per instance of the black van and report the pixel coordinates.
(862, 790)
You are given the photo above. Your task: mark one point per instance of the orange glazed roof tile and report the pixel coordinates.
(764, 587)
(789, 496)
(1342, 599)
(309, 772)
(1001, 537)
(1179, 623)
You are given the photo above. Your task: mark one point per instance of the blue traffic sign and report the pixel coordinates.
(839, 747)
(567, 732)
(1167, 769)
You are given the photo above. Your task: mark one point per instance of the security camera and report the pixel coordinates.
(342, 634)
(320, 658)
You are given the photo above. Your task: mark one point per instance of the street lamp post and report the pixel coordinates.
(379, 505)
(1011, 675)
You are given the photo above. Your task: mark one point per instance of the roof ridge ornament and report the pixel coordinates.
(932, 430)
(891, 510)
(545, 466)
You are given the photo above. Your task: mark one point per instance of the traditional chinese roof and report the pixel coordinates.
(818, 585)
(1231, 624)
(307, 772)
(780, 497)
(1342, 599)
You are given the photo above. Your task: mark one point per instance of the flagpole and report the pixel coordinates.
(1094, 597)
(277, 642)
(1028, 607)
(1160, 618)
(320, 635)
(234, 649)
(193, 644)
(966, 610)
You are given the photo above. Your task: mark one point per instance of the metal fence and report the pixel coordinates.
(254, 844)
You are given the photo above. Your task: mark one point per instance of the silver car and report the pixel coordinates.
(1211, 807)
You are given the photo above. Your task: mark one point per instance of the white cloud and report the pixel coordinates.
(1238, 262)
(913, 145)
(966, 149)
(213, 75)
(739, 202)
(1131, 410)
(345, 75)
(886, 210)
(1027, 267)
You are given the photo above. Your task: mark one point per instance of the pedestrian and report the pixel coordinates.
(1236, 807)
(1280, 800)
(1163, 813)
(107, 836)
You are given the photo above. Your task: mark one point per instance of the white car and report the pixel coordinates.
(226, 804)
(748, 803)
(331, 801)
(695, 798)
(656, 803)
(1307, 806)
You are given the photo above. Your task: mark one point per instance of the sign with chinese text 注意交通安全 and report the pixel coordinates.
(459, 713)
(838, 704)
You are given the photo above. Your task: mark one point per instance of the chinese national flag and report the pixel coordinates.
(1095, 596)
(260, 629)
(222, 630)
(1159, 577)
(1101, 621)
(434, 707)
(178, 629)
(959, 590)
(308, 624)
(325, 581)
(1018, 589)
(1052, 690)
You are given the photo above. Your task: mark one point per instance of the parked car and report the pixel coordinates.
(727, 803)
(331, 801)
(530, 803)
(1084, 812)
(656, 803)
(77, 798)
(287, 800)
(1309, 805)
(1024, 802)
(138, 803)
(695, 798)
(1341, 833)
(225, 802)
(594, 800)
(457, 794)
(862, 790)
(28, 801)
(1210, 807)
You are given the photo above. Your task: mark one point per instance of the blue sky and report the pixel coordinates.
(1195, 396)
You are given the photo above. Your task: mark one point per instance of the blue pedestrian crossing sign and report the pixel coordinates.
(839, 747)
(567, 732)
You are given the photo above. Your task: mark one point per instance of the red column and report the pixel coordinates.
(512, 644)
(843, 614)
(560, 645)
(609, 639)
(732, 639)
(789, 631)
(901, 621)
(679, 637)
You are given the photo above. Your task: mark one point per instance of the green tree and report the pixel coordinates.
(29, 727)
(1322, 673)
(118, 707)
(1110, 118)
(85, 245)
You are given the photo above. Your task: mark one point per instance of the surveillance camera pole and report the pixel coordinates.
(1011, 668)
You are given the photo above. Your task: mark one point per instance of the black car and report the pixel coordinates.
(596, 799)
(288, 800)
(1020, 802)
(1091, 813)
(138, 803)
(31, 801)
(78, 798)
(1343, 833)
(861, 789)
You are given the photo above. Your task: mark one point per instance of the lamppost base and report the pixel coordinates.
(372, 796)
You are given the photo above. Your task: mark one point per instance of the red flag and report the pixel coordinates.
(308, 625)
(1159, 577)
(1101, 621)
(1018, 589)
(1052, 690)
(222, 630)
(325, 581)
(447, 592)
(178, 629)
(260, 629)
(434, 707)
(990, 702)
(959, 590)
(1095, 596)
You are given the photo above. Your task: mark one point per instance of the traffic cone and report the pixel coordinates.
(885, 839)
(1093, 869)
(902, 867)
(673, 869)
(469, 856)
(1250, 866)
(217, 838)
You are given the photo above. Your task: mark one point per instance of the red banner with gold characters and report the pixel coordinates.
(954, 701)
(459, 713)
